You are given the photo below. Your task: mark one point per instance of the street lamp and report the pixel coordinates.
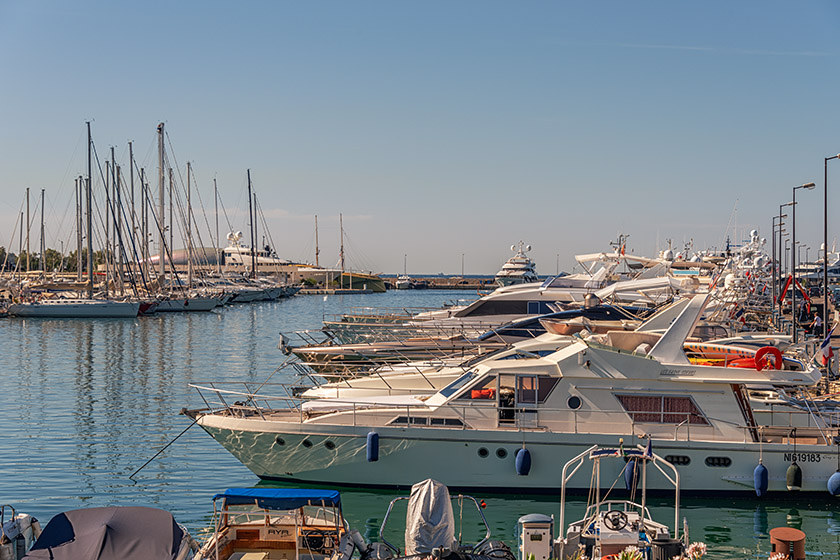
(825, 245)
(776, 272)
(782, 260)
(810, 187)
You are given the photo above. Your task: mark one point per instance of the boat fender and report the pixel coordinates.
(358, 540)
(372, 447)
(523, 462)
(768, 357)
(36, 529)
(631, 475)
(377, 551)
(793, 477)
(760, 479)
(834, 483)
(345, 549)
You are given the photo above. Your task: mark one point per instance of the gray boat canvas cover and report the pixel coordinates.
(109, 533)
(429, 522)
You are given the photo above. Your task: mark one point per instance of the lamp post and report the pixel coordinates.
(783, 256)
(808, 186)
(782, 261)
(775, 262)
(825, 245)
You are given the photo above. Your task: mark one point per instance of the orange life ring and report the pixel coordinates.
(763, 358)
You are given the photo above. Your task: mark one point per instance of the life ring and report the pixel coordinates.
(763, 358)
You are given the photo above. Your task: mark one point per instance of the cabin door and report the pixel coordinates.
(518, 400)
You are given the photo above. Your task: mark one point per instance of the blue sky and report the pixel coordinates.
(439, 129)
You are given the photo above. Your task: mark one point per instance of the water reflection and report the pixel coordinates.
(87, 402)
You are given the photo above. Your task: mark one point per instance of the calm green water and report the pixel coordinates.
(87, 402)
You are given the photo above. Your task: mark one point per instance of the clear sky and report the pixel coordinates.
(438, 128)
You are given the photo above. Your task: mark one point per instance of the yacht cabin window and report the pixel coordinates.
(662, 409)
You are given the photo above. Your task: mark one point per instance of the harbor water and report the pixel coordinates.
(87, 402)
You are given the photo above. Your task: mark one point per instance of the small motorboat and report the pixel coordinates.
(113, 533)
(611, 526)
(17, 533)
(430, 529)
(278, 524)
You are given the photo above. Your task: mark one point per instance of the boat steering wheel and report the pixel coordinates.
(615, 520)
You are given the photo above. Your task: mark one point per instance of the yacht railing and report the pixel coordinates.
(246, 402)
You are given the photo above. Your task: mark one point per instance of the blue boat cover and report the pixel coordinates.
(280, 498)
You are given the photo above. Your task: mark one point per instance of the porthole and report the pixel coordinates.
(279, 441)
(678, 459)
(306, 443)
(718, 461)
(574, 402)
(501, 453)
(329, 445)
(482, 452)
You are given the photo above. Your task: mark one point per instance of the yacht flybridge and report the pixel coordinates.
(594, 390)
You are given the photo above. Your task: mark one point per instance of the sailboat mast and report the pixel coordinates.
(161, 200)
(144, 229)
(28, 228)
(131, 183)
(89, 200)
(341, 249)
(317, 248)
(171, 220)
(189, 231)
(251, 216)
(218, 244)
(79, 228)
(107, 246)
(43, 249)
(118, 229)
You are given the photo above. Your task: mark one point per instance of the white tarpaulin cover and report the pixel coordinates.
(429, 522)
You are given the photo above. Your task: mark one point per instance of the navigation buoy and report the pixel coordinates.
(631, 475)
(793, 477)
(523, 462)
(834, 484)
(372, 447)
(760, 479)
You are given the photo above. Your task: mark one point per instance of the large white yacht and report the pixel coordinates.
(519, 269)
(598, 390)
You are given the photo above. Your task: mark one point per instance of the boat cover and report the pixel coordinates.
(109, 533)
(429, 522)
(280, 498)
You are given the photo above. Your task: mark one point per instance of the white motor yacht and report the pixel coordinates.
(595, 391)
(519, 269)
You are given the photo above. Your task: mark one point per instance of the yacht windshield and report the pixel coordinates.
(453, 387)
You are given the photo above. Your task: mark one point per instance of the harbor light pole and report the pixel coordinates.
(782, 261)
(776, 271)
(810, 187)
(825, 246)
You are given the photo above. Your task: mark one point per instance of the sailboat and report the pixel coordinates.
(404, 280)
(81, 307)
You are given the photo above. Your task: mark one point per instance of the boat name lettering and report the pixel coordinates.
(280, 532)
(803, 457)
(676, 372)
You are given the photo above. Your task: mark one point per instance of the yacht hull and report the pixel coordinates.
(468, 459)
(83, 309)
